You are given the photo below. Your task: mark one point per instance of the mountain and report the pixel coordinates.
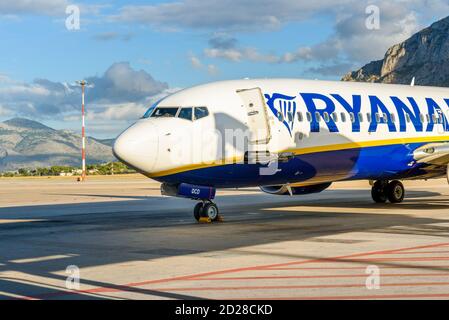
(424, 56)
(26, 143)
(108, 142)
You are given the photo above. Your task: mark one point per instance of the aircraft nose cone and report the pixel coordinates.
(138, 146)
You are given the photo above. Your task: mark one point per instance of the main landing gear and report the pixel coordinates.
(393, 191)
(207, 211)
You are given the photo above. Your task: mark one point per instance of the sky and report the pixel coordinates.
(135, 52)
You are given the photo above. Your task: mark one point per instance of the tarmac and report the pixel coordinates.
(126, 241)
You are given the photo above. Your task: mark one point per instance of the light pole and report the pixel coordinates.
(83, 84)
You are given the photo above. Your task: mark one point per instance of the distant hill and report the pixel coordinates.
(108, 142)
(424, 56)
(26, 143)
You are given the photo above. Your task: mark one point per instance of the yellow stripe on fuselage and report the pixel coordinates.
(191, 167)
(302, 151)
(366, 144)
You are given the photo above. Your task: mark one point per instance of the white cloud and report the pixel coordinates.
(121, 83)
(5, 79)
(38, 7)
(350, 40)
(111, 36)
(250, 15)
(14, 9)
(226, 47)
(225, 15)
(121, 93)
(122, 111)
(4, 111)
(212, 69)
(331, 70)
(197, 64)
(228, 54)
(29, 90)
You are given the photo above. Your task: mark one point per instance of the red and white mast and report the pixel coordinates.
(83, 84)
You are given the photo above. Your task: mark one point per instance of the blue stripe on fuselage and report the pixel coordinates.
(373, 163)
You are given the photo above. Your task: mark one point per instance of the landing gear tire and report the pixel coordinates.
(395, 192)
(197, 211)
(378, 192)
(210, 210)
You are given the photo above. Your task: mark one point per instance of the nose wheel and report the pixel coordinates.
(393, 191)
(206, 210)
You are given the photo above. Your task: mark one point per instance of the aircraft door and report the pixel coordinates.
(256, 110)
(442, 123)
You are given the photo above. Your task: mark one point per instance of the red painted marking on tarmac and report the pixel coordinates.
(314, 286)
(421, 248)
(126, 287)
(367, 297)
(342, 258)
(332, 276)
(405, 259)
(420, 252)
(359, 267)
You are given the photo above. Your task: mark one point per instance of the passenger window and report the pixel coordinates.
(428, 118)
(343, 117)
(201, 112)
(393, 117)
(421, 117)
(335, 117)
(360, 117)
(280, 116)
(377, 118)
(326, 117)
(165, 112)
(186, 113)
(300, 118)
(368, 116)
(317, 116)
(309, 117)
(407, 116)
(351, 117)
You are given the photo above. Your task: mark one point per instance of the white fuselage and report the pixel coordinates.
(302, 118)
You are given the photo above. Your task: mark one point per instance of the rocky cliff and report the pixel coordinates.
(424, 56)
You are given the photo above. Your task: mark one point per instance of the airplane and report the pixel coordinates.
(289, 137)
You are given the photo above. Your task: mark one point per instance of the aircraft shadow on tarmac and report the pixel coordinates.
(93, 235)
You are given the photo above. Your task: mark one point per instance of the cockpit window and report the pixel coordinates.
(151, 109)
(201, 112)
(185, 113)
(188, 113)
(165, 112)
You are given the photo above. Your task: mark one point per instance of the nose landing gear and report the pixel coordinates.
(393, 191)
(206, 211)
